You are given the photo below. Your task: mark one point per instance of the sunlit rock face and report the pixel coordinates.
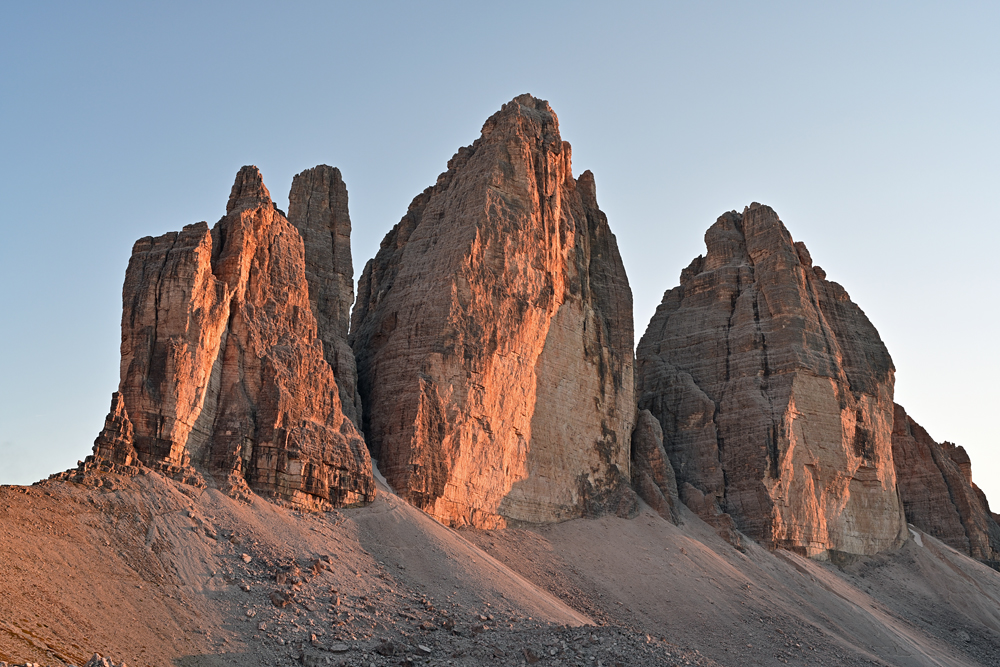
(493, 334)
(774, 392)
(317, 206)
(114, 442)
(223, 377)
(939, 496)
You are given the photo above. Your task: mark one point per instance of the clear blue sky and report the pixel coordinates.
(870, 127)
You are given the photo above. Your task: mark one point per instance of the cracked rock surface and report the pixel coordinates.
(317, 207)
(223, 376)
(774, 392)
(493, 334)
(939, 496)
(153, 572)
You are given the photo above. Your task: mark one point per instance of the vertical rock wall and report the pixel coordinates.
(774, 392)
(222, 372)
(493, 334)
(317, 206)
(939, 496)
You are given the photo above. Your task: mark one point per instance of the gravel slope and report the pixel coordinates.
(157, 573)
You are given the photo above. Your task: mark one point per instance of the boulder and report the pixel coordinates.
(493, 335)
(774, 392)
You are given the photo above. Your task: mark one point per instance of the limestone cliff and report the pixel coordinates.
(493, 334)
(939, 496)
(317, 206)
(222, 373)
(774, 392)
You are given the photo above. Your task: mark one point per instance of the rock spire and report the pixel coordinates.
(774, 392)
(493, 334)
(223, 378)
(653, 476)
(317, 206)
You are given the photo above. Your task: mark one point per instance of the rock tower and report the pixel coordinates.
(223, 376)
(493, 335)
(775, 393)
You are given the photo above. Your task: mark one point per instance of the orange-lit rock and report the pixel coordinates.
(317, 206)
(774, 392)
(939, 496)
(493, 333)
(222, 373)
(114, 443)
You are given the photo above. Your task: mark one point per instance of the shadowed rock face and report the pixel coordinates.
(775, 395)
(939, 496)
(652, 475)
(493, 334)
(222, 371)
(317, 206)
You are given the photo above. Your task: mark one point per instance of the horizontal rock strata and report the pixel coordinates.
(774, 392)
(114, 443)
(493, 334)
(939, 496)
(222, 372)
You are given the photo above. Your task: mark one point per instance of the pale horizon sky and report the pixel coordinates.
(870, 128)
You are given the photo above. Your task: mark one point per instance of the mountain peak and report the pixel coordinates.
(248, 190)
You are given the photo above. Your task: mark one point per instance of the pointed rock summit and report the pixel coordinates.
(493, 334)
(223, 378)
(248, 191)
(939, 496)
(653, 476)
(774, 392)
